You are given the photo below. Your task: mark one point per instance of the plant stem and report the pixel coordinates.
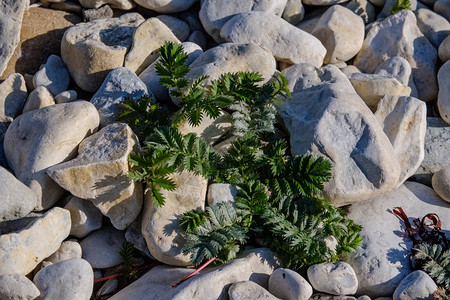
(195, 272)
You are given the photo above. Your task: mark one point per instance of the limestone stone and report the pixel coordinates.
(68, 250)
(101, 248)
(221, 192)
(91, 50)
(350, 69)
(160, 224)
(289, 285)
(17, 287)
(120, 4)
(147, 39)
(356, 145)
(40, 97)
(99, 174)
(443, 101)
(13, 94)
(85, 217)
(248, 290)
(44, 138)
(341, 32)
(40, 36)
(311, 19)
(16, 199)
(387, 7)
(441, 183)
(336, 278)
(103, 12)
(70, 279)
(66, 97)
(382, 261)
(53, 75)
(434, 26)
(363, 8)
(211, 130)
(399, 68)
(255, 265)
(444, 50)
(285, 41)
(398, 35)
(178, 27)
(199, 38)
(404, 121)
(67, 6)
(442, 7)
(293, 11)
(11, 14)
(372, 87)
(23, 249)
(3, 129)
(322, 2)
(214, 14)
(110, 286)
(133, 234)
(166, 6)
(417, 285)
(120, 83)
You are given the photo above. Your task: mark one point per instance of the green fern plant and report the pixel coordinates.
(436, 262)
(400, 5)
(126, 252)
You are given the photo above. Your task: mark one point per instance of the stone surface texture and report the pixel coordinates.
(40, 97)
(17, 287)
(441, 183)
(166, 6)
(13, 94)
(336, 278)
(417, 285)
(248, 290)
(443, 101)
(53, 75)
(289, 285)
(84, 215)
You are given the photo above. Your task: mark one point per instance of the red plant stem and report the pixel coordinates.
(124, 273)
(195, 272)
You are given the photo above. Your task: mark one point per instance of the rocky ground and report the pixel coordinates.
(370, 91)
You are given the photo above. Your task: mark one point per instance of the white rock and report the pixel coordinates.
(46, 137)
(398, 35)
(322, 2)
(350, 69)
(341, 32)
(53, 75)
(199, 38)
(285, 41)
(99, 174)
(417, 285)
(67, 6)
(289, 285)
(22, 249)
(444, 50)
(248, 290)
(66, 97)
(40, 97)
(160, 224)
(443, 101)
(405, 124)
(399, 68)
(372, 87)
(256, 265)
(214, 14)
(13, 94)
(166, 6)
(211, 130)
(362, 8)
(178, 27)
(120, 4)
(71, 279)
(221, 192)
(441, 183)
(434, 26)
(16, 199)
(120, 83)
(17, 287)
(147, 39)
(101, 248)
(104, 12)
(339, 126)
(336, 278)
(67, 250)
(442, 7)
(90, 50)
(382, 261)
(293, 11)
(84, 215)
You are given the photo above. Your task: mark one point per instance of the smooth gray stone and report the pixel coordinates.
(53, 75)
(17, 287)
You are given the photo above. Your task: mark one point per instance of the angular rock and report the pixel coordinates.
(441, 183)
(248, 290)
(166, 6)
(364, 9)
(40, 97)
(160, 224)
(404, 121)
(372, 87)
(16, 199)
(286, 42)
(53, 75)
(67, 250)
(104, 12)
(382, 261)
(398, 35)
(256, 265)
(147, 39)
(120, 4)
(22, 249)
(293, 11)
(46, 137)
(178, 27)
(120, 83)
(211, 130)
(85, 217)
(99, 174)
(101, 248)
(417, 285)
(11, 14)
(71, 279)
(336, 278)
(214, 14)
(17, 287)
(221, 192)
(341, 32)
(443, 101)
(433, 26)
(364, 163)
(287, 284)
(399, 68)
(13, 94)
(66, 97)
(444, 50)
(91, 50)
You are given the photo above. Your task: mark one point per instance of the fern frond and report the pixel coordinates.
(126, 252)
(437, 262)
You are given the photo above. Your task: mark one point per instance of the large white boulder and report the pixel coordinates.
(443, 101)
